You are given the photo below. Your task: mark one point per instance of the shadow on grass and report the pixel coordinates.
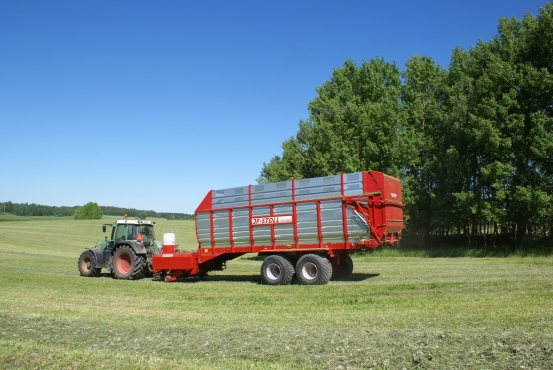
(255, 258)
(357, 277)
(256, 279)
(214, 278)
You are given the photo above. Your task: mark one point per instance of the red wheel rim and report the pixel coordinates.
(124, 263)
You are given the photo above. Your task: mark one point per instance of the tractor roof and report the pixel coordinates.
(134, 222)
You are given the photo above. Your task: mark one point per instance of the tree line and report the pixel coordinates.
(473, 145)
(26, 209)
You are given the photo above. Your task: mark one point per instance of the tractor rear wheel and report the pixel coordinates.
(277, 270)
(127, 264)
(312, 269)
(87, 265)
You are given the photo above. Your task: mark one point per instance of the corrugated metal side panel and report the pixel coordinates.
(203, 229)
(307, 223)
(315, 188)
(319, 187)
(241, 227)
(229, 198)
(272, 193)
(284, 234)
(261, 234)
(353, 183)
(221, 229)
(331, 221)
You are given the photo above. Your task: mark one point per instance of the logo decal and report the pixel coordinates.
(271, 220)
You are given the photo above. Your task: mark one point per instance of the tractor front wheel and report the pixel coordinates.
(87, 265)
(127, 264)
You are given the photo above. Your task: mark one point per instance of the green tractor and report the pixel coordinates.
(127, 254)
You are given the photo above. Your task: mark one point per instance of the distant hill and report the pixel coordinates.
(26, 209)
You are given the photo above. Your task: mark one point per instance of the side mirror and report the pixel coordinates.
(104, 228)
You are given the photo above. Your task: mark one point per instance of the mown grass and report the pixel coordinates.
(6, 217)
(395, 312)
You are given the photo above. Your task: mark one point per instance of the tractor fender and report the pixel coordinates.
(98, 256)
(138, 248)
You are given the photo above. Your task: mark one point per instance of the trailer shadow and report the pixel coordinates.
(255, 278)
(357, 277)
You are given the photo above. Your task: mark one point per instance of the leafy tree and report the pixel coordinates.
(500, 127)
(90, 211)
(423, 95)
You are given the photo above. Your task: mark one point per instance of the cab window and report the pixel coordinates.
(121, 232)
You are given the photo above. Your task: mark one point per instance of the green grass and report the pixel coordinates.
(395, 312)
(9, 217)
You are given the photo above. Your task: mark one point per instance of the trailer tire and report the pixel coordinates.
(312, 269)
(127, 264)
(347, 269)
(87, 265)
(277, 270)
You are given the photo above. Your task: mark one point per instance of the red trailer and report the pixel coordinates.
(306, 228)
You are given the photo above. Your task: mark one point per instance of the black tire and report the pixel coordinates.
(87, 265)
(127, 264)
(277, 270)
(344, 271)
(312, 269)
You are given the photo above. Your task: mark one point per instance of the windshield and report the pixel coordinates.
(131, 232)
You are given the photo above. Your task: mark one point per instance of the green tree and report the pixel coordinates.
(90, 211)
(500, 128)
(423, 94)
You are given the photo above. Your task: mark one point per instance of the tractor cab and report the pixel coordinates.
(138, 231)
(141, 231)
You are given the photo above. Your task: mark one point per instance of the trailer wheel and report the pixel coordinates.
(347, 269)
(277, 270)
(127, 264)
(312, 269)
(344, 271)
(87, 265)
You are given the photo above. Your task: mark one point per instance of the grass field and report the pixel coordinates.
(395, 312)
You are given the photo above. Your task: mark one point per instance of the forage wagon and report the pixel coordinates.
(306, 228)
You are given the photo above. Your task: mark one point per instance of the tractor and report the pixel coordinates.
(127, 254)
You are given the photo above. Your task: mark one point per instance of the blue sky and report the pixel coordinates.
(150, 104)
